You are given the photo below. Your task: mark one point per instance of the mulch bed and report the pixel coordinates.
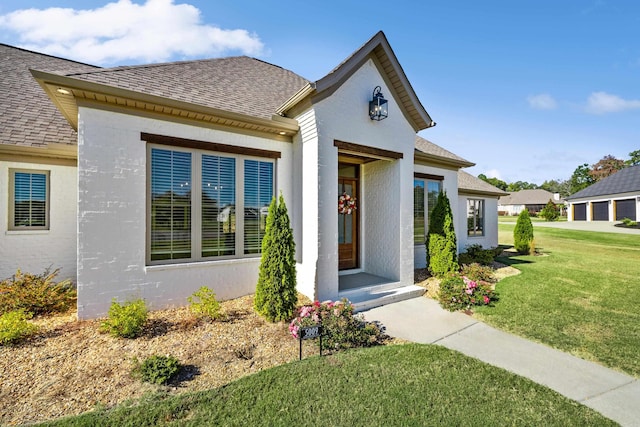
(69, 367)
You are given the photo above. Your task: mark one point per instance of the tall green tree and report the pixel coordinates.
(561, 187)
(494, 181)
(550, 212)
(581, 178)
(523, 233)
(442, 246)
(276, 294)
(521, 185)
(634, 158)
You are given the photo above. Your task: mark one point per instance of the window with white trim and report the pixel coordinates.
(425, 196)
(194, 197)
(28, 199)
(475, 217)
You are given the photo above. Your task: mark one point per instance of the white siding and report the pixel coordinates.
(34, 251)
(490, 238)
(112, 216)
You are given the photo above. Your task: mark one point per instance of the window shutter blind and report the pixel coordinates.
(30, 199)
(218, 206)
(258, 192)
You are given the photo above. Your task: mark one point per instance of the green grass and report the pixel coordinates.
(397, 385)
(581, 297)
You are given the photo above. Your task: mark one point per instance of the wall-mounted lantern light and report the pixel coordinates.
(378, 107)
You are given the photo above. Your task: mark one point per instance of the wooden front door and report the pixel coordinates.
(348, 207)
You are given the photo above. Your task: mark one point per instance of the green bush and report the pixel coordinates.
(156, 369)
(479, 273)
(276, 296)
(550, 212)
(126, 320)
(203, 303)
(462, 293)
(14, 326)
(477, 254)
(36, 293)
(629, 222)
(341, 328)
(523, 233)
(442, 248)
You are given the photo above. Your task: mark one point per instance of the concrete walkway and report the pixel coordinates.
(613, 394)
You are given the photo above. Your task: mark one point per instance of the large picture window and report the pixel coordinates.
(475, 217)
(28, 200)
(425, 196)
(193, 203)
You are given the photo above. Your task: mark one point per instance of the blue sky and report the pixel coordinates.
(528, 90)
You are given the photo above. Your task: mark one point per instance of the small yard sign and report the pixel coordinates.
(308, 333)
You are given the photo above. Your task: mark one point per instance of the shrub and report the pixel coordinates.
(203, 303)
(477, 254)
(550, 212)
(36, 293)
(276, 296)
(14, 326)
(126, 320)
(442, 249)
(461, 293)
(479, 273)
(341, 328)
(629, 222)
(523, 233)
(156, 369)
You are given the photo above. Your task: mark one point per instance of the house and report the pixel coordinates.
(158, 182)
(611, 199)
(533, 200)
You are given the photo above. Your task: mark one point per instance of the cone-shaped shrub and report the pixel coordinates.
(523, 233)
(442, 246)
(276, 294)
(550, 211)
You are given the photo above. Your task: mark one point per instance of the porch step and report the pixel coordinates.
(375, 296)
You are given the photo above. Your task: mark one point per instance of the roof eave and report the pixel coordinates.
(279, 127)
(420, 157)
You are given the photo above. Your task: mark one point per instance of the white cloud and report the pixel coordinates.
(543, 101)
(602, 103)
(154, 31)
(493, 173)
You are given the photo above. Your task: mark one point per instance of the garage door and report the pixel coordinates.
(626, 209)
(580, 212)
(600, 211)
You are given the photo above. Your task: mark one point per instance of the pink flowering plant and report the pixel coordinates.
(461, 293)
(341, 328)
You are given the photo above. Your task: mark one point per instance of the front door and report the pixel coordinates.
(348, 205)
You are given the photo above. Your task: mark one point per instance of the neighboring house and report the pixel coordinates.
(166, 187)
(611, 199)
(532, 200)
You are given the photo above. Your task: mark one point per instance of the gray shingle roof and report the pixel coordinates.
(529, 197)
(238, 84)
(471, 184)
(626, 180)
(427, 147)
(27, 115)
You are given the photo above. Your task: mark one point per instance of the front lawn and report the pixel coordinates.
(408, 384)
(580, 297)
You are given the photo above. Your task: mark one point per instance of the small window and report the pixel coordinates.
(475, 217)
(28, 200)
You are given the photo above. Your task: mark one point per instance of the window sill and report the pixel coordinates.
(200, 264)
(19, 232)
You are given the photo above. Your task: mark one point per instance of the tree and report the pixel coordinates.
(605, 167)
(521, 185)
(276, 294)
(523, 233)
(634, 158)
(550, 211)
(580, 179)
(442, 246)
(494, 181)
(561, 187)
